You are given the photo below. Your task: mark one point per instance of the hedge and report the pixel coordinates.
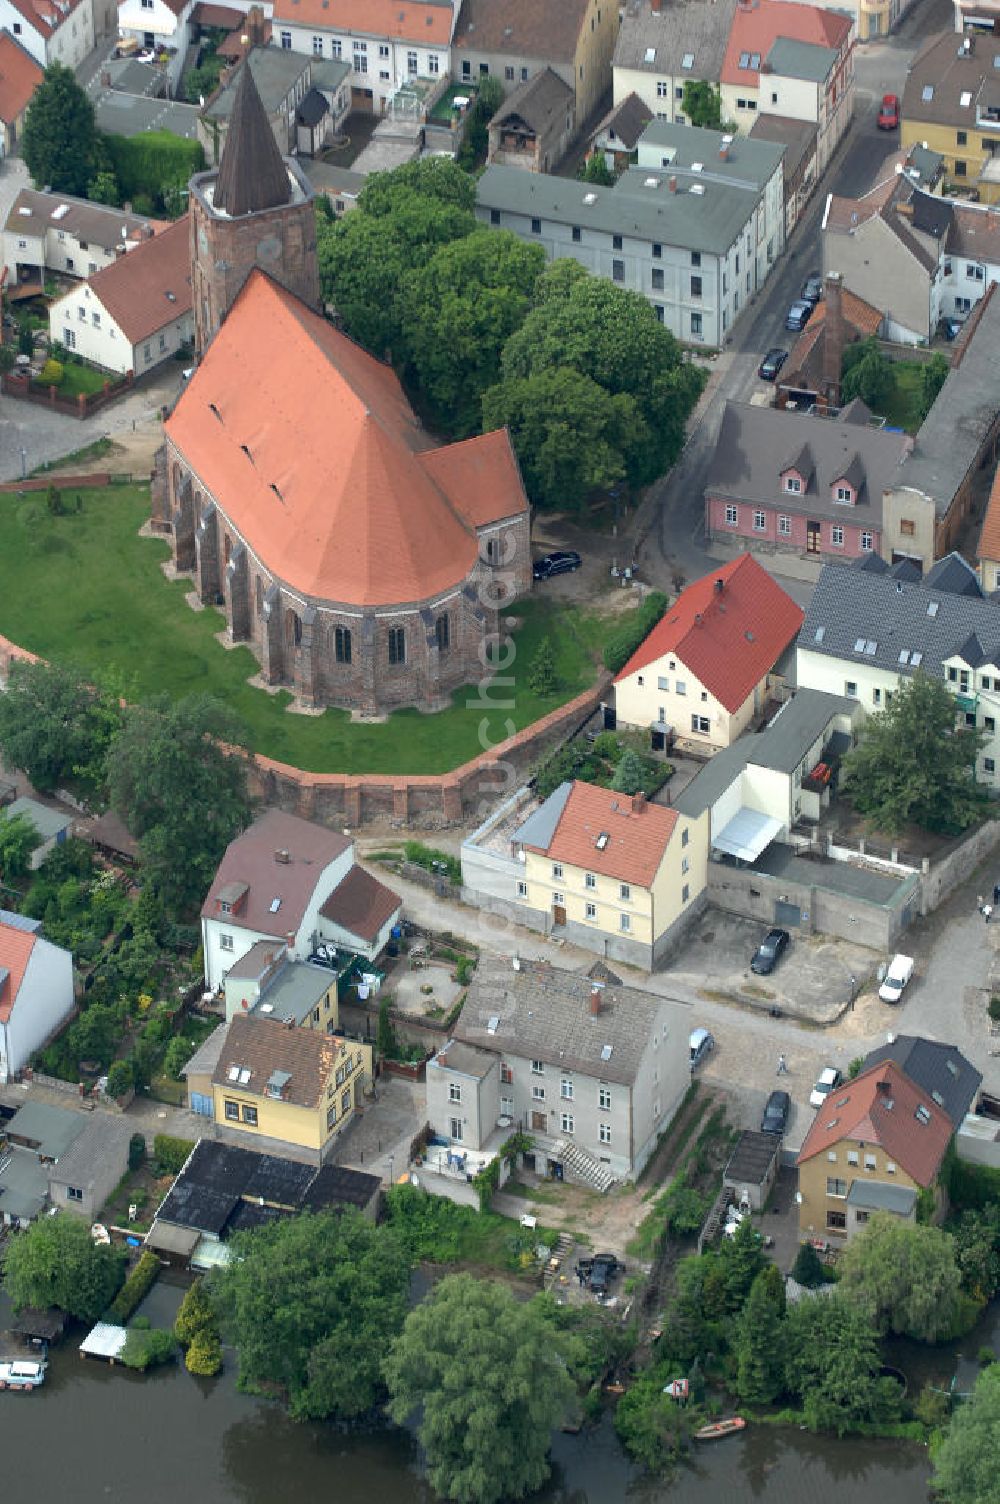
(155, 161)
(634, 629)
(135, 1289)
(171, 1153)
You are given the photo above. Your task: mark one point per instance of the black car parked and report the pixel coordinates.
(561, 562)
(772, 364)
(775, 1118)
(813, 289)
(769, 952)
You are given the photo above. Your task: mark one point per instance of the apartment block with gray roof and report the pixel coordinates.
(695, 228)
(871, 626)
(661, 46)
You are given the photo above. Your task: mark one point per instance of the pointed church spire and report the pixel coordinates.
(252, 175)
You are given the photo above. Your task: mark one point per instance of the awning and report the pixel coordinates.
(170, 1237)
(747, 835)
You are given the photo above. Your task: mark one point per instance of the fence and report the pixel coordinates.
(83, 405)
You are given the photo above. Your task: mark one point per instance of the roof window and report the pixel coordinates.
(275, 905)
(922, 1115)
(606, 1051)
(904, 655)
(687, 61)
(916, 659)
(650, 55)
(933, 607)
(755, 59)
(602, 840)
(744, 61)
(952, 1067)
(927, 93)
(965, 99)
(819, 634)
(493, 1024)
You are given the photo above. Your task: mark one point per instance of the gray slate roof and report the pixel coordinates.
(700, 27)
(681, 146)
(99, 1153)
(709, 222)
(950, 438)
(276, 71)
(206, 1056)
(852, 606)
(543, 1013)
(805, 60)
(48, 822)
(467, 1059)
(540, 826)
(537, 101)
(625, 123)
(876, 1196)
(797, 136)
(53, 1129)
(940, 1070)
(756, 444)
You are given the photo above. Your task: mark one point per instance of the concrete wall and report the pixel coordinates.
(754, 895)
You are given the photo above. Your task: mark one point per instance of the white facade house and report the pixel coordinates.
(592, 1072)
(36, 991)
(134, 314)
(53, 31)
(387, 43)
(662, 44)
(54, 232)
(695, 227)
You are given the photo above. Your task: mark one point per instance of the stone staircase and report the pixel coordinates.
(581, 1168)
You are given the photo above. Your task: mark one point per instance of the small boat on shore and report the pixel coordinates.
(717, 1428)
(22, 1373)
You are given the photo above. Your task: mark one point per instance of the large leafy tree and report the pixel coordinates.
(401, 219)
(457, 312)
(904, 1276)
(702, 103)
(611, 335)
(868, 373)
(60, 137)
(177, 774)
(57, 1263)
(912, 766)
(832, 1362)
(56, 726)
(312, 1304)
(760, 1340)
(967, 1463)
(488, 1374)
(18, 839)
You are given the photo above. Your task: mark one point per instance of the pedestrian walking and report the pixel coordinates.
(986, 911)
(782, 1066)
(996, 894)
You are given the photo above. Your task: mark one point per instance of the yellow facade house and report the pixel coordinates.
(951, 104)
(702, 675)
(613, 872)
(280, 1085)
(876, 1143)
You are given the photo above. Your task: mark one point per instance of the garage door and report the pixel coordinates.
(786, 913)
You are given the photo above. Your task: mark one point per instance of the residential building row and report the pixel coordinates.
(53, 31)
(951, 104)
(20, 75)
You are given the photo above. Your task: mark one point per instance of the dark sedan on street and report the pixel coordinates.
(772, 364)
(775, 1119)
(561, 562)
(769, 952)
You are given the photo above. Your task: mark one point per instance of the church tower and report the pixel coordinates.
(254, 209)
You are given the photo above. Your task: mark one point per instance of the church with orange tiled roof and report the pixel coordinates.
(364, 565)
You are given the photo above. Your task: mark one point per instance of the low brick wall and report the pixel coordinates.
(940, 879)
(60, 482)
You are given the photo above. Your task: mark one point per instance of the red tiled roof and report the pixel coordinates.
(149, 287)
(989, 537)
(361, 904)
(44, 16)
(756, 27)
(406, 20)
(20, 76)
(861, 317)
(880, 1107)
(728, 639)
(310, 448)
(15, 952)
(638, 833)
(250, 861)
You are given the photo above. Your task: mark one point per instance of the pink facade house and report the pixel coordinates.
(788, 482)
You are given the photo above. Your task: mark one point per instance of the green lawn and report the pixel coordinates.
(79, 378)
(85, 588)
(904, 408)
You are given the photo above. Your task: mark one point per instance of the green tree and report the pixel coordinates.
(596, 170)
(436, 178)
(177, 774)
(759, 1344)
(311, 1305)
(179, 1052)
(56, 726)
(457, 312)
(488, 1374)
(967, 1463)
(701, 102)
(204, 1355)
(912, 766)
(489, 97)
(630, 774)
(542, 678)
(808, 1267)
(570, 438)
(57, 1263)
(832, 1363)
(903, 1277)
(868, 374)
(120, 1079)
(612, 336)
(18, 839)
(934, 376)
(196, 1314)
(977, 1251)
(60, 136)
(147, 1349)
(95, 1034)
(742, 1260)
(103, 188)
(386, 1042)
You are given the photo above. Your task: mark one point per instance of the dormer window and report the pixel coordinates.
(792, 483)
(844, 494)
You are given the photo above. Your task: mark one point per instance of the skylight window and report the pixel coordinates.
(234, 1073)
(904, 655)
(938, 1098)
(916, 659)
(927, 93)
(602, 840)
(819, 634)
(606, 1052)
(650, 55)
(275, 905)
(922, 1115)
(871, 648)
(687, 61)
(244, 1075)
(859, 646)
(965, 100)
(744, 61)
(493, 1024)
(933, 608)
(755, 59)
(952, 1067)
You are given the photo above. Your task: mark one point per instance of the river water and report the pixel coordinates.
(96, 1433)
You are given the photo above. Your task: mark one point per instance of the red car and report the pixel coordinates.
(888, 115)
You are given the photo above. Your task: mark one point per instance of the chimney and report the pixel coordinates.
(905, 209)
(282, 856)
(833, 340)
(290, 939)
(254, 27)
(638, 803)
(672, 184)
(720, 585)
(595, 1001)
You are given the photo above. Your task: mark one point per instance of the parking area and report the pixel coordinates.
(814, 979)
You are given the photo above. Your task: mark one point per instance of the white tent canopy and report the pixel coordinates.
(747, 835)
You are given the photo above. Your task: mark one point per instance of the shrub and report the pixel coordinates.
(171, 1153)
(808, 1268)
(51, 372)
(145, 1349)
(431, 859)
(121, 1080)
(136, 1150)
(994, 1009)
(178, 1054)
(985, 1357)
(204, 1356)
(634, 629)
(464, 967)
(135, 1289)
(148, 166)
(195, 1316)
